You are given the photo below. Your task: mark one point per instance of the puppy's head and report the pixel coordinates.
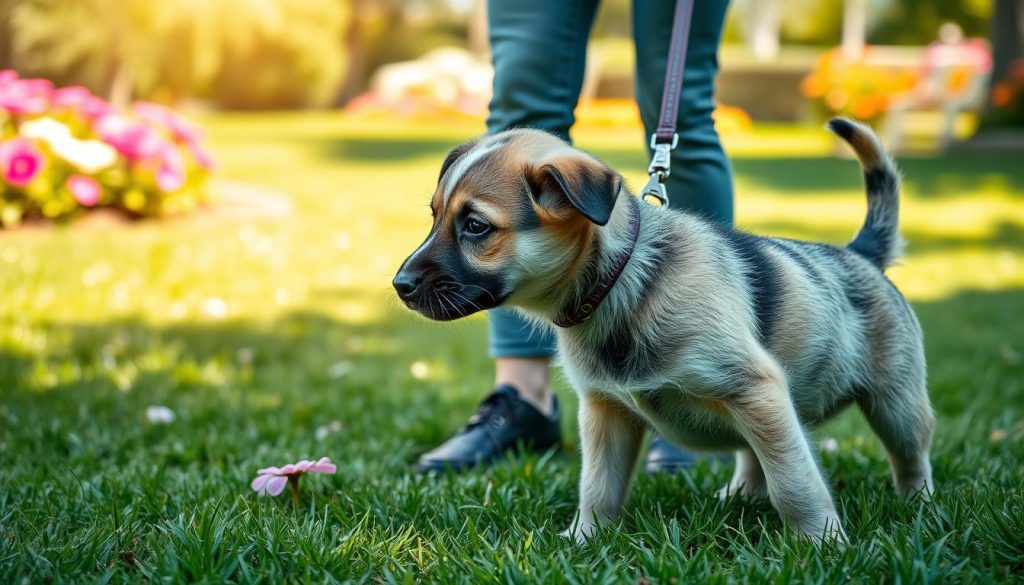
(515, 216)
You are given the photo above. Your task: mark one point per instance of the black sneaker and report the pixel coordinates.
(664, 456)
(502, 423)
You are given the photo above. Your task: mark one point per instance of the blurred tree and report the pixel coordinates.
(355, 47)
(289, 53)
(6, 35)
(916, 22)
(400, 30)
(240, 53)
(888, 22)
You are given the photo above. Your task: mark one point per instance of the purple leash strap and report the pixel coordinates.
(665, 139)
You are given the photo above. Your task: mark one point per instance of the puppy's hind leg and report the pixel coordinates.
(748, 478)
(610, 436)
(764, 415)
(904, 421)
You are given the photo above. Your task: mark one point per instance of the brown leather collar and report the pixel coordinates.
(583, 309)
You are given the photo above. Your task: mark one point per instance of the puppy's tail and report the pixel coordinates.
(879, 238)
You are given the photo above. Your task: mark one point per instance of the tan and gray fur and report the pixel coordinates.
(718, 339)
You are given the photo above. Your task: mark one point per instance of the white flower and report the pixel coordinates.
(88, 156)
(160, 415)
(48, 130)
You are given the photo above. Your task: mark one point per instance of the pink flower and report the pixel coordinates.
(84, 189)
(271, 480)
(134, 139)
(20, 161)
(74, 96)
(180, 128)
(7, 76)
(201, 155)
(95, 108)
(25, 96)
(170, 175)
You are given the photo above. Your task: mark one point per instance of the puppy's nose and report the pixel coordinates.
(406, 283)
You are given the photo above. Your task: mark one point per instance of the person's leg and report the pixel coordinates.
(539, 53)
(522, 355)
(701, 177)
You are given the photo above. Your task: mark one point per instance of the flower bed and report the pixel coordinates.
(64, 151)
(855, 87)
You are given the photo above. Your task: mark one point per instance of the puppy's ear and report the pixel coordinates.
(453, 156)
(586, 184)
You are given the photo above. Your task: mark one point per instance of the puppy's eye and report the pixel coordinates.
(476, 227)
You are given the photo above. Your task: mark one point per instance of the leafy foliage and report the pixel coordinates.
(242, 53)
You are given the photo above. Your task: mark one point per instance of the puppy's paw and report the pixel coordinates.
(579, 533)
(916, 487)
(831, 533)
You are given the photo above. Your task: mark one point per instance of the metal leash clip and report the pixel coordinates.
(654, 191)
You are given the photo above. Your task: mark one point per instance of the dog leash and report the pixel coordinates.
(663, 142)
(665, 139)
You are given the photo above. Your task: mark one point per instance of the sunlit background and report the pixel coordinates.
(203, 203)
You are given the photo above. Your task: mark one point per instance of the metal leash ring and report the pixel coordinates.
(654, 192)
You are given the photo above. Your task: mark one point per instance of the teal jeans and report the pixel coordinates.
(539, 51)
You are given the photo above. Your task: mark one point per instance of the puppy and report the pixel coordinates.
(718, 339)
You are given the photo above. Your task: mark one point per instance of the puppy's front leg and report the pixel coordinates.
(765, 416)
(610, 436)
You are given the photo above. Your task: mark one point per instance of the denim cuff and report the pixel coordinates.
(512, 335)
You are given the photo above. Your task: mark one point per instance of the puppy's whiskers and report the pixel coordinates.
(471, 303)
(486, 292)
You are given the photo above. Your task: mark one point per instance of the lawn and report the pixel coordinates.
(278, 338)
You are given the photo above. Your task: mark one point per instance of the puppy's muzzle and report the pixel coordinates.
(409, 286)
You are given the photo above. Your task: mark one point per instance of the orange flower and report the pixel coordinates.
(957, 79)
(836, 99)
(1002, 94)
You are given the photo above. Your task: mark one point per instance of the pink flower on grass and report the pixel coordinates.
(95, 108)
(73, 96)
(271, 480)
(180, 128)
(201, 156)
(170, 175)
(20, 161)
(84, 189)
(25, 96)
(134, 139)
(183, 131)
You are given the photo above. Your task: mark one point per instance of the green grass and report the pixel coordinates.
(97, 324)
